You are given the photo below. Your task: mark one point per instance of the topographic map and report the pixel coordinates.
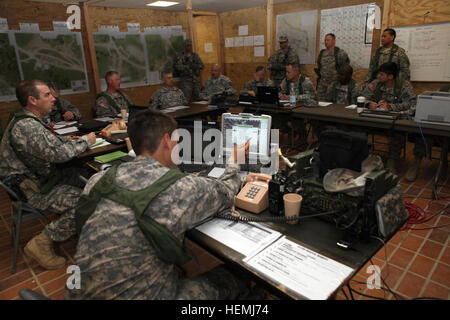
(300, 28)
(9, 69)
(124, 53)
(53, 56)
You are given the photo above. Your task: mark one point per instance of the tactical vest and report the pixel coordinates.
(300, 87)
(319, 61)
(45, 183)
(394, 50)
(351, 87)
(167, 247)
(111, 101)
(398, 86)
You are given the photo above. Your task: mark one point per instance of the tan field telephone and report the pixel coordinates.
(254, 196)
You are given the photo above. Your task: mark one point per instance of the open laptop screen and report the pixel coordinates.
(267, 95)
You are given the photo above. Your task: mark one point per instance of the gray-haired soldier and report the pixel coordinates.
(116, 259)
(112, 100)
(167, 96)
(29, 152)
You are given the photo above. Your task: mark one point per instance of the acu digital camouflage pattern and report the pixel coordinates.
(338, 93)
(399, 57)
(121, 100)
(188, 68)
(328, 72)
(167, 97)
(304, 91)
(278, 61)
(36, 145)
(213, 86)
(253, 85)
(60, 107)
(115, 258)
(391, 212)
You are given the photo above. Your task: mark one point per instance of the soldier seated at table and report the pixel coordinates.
(217, 84)
(345, 90)
(112, 100)
(259, 80)
(167, 96)
(116, 257)
(393, 94)
(62, 109)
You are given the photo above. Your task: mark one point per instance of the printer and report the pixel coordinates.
(433, 107)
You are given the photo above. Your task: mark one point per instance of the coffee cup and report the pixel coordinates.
(360, 103)
(124, 114)
(292, 205)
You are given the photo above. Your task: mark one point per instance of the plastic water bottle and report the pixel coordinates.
(292, 96)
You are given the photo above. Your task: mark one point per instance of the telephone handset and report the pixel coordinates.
(254, 196)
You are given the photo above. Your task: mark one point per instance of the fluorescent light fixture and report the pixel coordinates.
(162, 4)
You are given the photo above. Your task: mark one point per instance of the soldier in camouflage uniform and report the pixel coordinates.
(389, 52)
(329, 61)
(280, 59)
(304, 92)
(188, 66)
(345, 90)
(167, 96)
(217, 84)
(110, 102)
(29, 152)
(259, 80)
(392, 94)
(62, 110)
(116, 259)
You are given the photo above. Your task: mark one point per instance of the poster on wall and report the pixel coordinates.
(9, 68)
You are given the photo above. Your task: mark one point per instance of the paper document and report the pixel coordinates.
(66, 130)
(105, 119)
(304, 271)
(351, 107)
(200, 102)
(62, 124)
(173, 109)
(216, 172)
(324, 104)
(99, 142)
(245, 238)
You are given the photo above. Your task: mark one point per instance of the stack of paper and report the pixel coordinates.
(66, 130)
(110, 157)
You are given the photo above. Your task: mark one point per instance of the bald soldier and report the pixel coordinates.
(167, 96)
(217, 84)
(280, 59)
(29, 154)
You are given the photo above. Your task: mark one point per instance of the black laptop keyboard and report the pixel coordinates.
(194, 167)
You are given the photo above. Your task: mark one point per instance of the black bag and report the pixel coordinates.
(92, 126)
(340, 149)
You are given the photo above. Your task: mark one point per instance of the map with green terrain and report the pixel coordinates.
(123, 53)
(52, 56)
(9, 69)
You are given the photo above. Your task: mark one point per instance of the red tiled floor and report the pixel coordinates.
(422, 265)
(431, 249)
(412, 242)
(435, 290)
(401, 258)
(410, 285)
(442, 274)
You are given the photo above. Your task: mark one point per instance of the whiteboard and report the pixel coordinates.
(428, 49)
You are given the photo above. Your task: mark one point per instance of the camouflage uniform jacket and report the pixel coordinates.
(115, 258)
(339, 93)
(212, 86)
(406, 100)
(121, 99)
(38, 146)
(279, 60)
(60, 107)
(167, 97)
(253, 85)
(304, 91)
(188, 67)
(399, 57)
(327, 63)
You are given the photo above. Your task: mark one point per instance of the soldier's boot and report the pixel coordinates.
(40, 248)
(390, 164)
(411, 174)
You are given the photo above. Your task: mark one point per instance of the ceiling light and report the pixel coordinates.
(162, 4)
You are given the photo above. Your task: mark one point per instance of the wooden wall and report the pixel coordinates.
(45, 13)
(205, 27)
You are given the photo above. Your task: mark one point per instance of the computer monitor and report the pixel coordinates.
(239, 128)
(133, 110)
(267, 95)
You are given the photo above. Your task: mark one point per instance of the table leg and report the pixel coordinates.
(442, 168)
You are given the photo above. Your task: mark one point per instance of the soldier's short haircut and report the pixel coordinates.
(53, 86)
(147, 129)
(389, 68)
(26, 89)
(331, 35)
(165, 73)
(109, 74)
(259, 68)
(295, 66)
(391, 32)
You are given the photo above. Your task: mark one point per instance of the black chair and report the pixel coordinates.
(21, 212)
(28, 294)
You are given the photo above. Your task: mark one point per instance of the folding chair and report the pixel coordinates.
(21, 212)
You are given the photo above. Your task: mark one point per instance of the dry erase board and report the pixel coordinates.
(428, 49)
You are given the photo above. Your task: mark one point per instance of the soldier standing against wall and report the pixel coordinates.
(280, 59)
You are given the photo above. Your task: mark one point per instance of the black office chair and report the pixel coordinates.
(28, 294)
(21, 212)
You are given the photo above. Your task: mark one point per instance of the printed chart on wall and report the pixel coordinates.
(9, 69)
(122, 52)
(300, 28)
(353, 27)
(428, 49)
(53, 56)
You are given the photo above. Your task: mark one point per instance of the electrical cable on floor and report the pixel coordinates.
(418, 215)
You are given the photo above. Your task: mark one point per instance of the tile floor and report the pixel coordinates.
(414, 263)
